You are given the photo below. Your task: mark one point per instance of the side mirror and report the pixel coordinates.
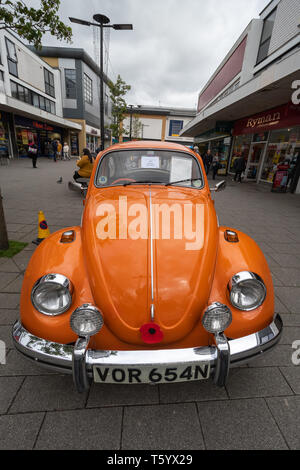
(219, 186)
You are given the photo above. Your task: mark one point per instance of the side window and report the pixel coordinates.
(70, 83)
(175, 128)
(266, 37)
(88, 89)
(12, 58)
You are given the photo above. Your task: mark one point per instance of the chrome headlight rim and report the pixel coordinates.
(80, 311)
(242, 277)
(53, 279)
(223, 309)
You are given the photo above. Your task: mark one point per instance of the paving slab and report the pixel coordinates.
(162, 427)
(8, 317)
(288, 276)
(48, 393)
(257, 382)
(9, 387)
(16, 365)
(292, 376)
(9, 301)
(290, 297)
(239, 425)
(286, 412)
(97, 429)
(19, 432)
(204, 390)
(118, 395)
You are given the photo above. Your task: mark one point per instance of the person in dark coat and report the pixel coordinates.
(207, 160)
(54, 149)
(33, 153)
(239, 166)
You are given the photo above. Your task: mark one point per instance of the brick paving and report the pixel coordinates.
(258, 409)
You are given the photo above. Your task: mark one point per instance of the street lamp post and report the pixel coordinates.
(101, 22)
(130, 129)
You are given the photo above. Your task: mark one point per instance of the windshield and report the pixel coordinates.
(129, 167)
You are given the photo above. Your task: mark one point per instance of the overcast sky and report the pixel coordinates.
(174, 47)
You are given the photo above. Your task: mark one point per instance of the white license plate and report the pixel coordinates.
(150, 374)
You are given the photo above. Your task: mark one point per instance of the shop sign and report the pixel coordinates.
(42, 125)
(276, 118)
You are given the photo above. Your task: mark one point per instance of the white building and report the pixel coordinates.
(30, 100)
(245, 108)
(157, 123)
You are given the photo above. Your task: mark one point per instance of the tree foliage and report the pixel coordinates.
(32, 23)
(117, 92)
(137, 126)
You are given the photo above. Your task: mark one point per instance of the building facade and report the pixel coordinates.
(80, 89)
(157, 123)
(30, 101)
(249, 106)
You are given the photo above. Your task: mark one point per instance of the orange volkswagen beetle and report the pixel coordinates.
(149, 289)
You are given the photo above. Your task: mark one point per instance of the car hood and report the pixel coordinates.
(133, 264)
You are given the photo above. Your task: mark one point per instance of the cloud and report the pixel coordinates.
(174, 47)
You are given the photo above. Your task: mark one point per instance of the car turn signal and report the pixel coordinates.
(68, 237)
(231, 236)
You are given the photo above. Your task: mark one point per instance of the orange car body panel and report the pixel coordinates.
(115, 274)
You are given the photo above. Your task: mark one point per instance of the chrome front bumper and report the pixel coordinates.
(79, 360)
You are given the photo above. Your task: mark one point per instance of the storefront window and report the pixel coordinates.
(241, 146)
(74, 143)
(284, 145)
(4, 141)
(222, 149)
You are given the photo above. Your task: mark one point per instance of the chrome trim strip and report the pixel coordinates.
(60, 356)
(151, 255)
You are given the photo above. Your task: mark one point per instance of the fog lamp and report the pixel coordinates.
(86, 320)
(217, 318)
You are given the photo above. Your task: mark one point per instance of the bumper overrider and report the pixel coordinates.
(82, 362)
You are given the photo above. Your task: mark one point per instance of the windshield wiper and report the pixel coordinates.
(141, 182)
(183, 181)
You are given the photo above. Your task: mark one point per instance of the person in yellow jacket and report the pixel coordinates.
(85, 164)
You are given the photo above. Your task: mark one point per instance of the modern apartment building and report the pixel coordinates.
(30, 100)
(249, 106)
(80, 89)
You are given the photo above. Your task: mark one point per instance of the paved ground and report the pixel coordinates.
(260, 407)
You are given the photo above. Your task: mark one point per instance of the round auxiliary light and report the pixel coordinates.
(86, 320)
(247, 291)
(52, 294)
(217, 318)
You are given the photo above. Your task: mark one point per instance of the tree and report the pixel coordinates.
(32, 23)
(137, 127)
(117, 92)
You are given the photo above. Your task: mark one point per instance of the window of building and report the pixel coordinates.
(106, 104)
(12, 57)
(88, 89)
(27, 96)
(49, 83)
(70, 83)
(175, 128)
(266, 37)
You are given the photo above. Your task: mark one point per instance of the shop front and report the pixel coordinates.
(5, 144)
(41, 133)
(92, 138)
(218, 141)
(266, 140)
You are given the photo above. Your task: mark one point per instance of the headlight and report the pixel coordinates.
(52, 294)
(217, 318)
(86, 320)
(247, 291)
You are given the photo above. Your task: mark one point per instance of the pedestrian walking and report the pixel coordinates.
(207, 160)
(33, 153)
(66, 150)
(239, 167)
(54, 149)
(215, 165)
(59, 150)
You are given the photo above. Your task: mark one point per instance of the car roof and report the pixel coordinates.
(151, 144)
